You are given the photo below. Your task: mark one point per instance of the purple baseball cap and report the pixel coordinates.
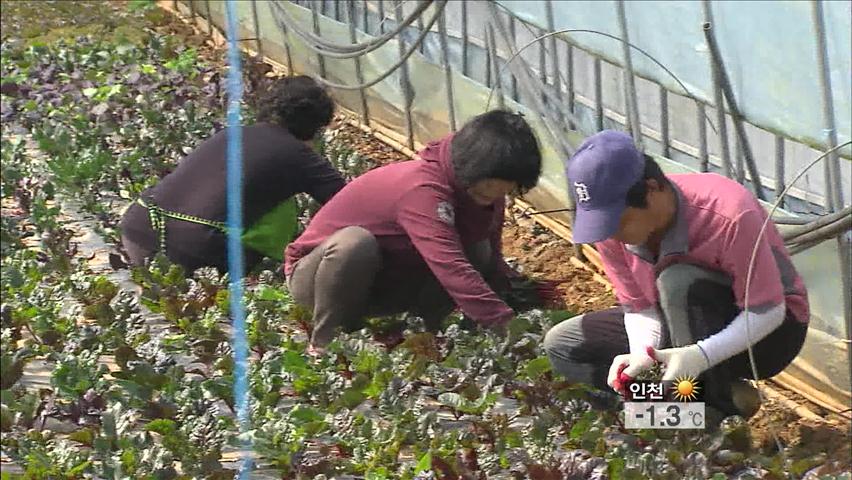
(599, 175)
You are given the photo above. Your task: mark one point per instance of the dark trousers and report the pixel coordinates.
(189, 245)
(696, 303)
(344, 280)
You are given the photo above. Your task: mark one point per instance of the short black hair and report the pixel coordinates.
(637, 196)
(299, 104)
(497, 144)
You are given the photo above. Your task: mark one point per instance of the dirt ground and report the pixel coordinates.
(829, 439)
(366, 144)
(542, 254)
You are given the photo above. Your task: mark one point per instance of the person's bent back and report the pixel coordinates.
(418, 236)
(183, 215)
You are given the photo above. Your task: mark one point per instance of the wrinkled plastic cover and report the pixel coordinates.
(769, 49)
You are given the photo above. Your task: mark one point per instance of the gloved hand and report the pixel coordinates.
(688, 361)
(626, 367)
(524, 294)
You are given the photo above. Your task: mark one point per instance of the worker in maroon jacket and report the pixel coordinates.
(419, 236)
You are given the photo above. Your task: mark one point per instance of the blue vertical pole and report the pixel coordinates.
(234, 185)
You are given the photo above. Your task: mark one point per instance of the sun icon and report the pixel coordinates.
(685, 388)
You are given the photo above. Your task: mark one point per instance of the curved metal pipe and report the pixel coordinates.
(790, 235)
(440, 8)
(335, 50)
(825, 233)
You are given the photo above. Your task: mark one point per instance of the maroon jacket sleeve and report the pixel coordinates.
(426, 214)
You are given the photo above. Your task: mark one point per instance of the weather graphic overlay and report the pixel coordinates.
(649, 405)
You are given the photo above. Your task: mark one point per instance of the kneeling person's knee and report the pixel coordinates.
(561, 340)
(353, 242)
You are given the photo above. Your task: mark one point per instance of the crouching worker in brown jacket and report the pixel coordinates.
(420, 236)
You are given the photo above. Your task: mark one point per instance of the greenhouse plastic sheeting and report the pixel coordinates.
(825, 347)
(386, 100)
(769, 49)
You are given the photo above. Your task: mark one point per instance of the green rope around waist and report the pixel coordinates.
(269, 235)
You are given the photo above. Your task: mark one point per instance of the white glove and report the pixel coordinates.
(688, 361)
(626, 367)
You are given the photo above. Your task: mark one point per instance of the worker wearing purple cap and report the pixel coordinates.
(677, 249)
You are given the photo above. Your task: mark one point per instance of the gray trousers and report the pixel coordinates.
(696, 303)
(343, 281)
